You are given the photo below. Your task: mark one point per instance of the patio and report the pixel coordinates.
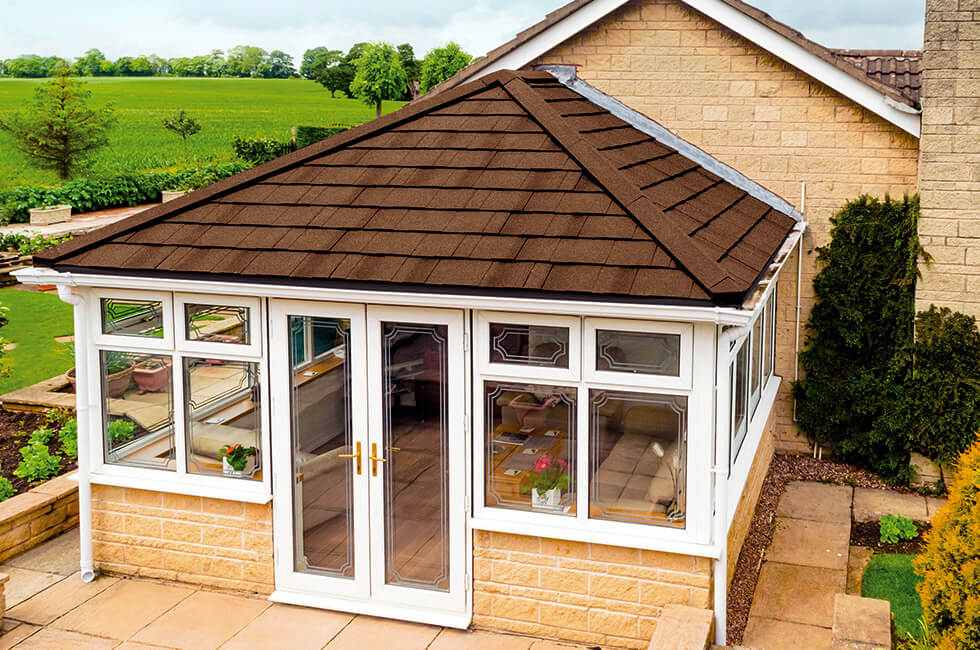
(48, 606)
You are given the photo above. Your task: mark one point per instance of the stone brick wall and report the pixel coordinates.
(582, 593)
(745, 510)
(188, 539)
(754, 112)
(949, 165)
(29, 519)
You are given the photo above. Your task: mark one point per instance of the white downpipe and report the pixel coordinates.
(86, 566)
(799, 293)
(720, 471)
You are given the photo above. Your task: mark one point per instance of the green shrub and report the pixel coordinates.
(893, 529)
(85, 195)
(260, 150)
(6, 488)
(121, 431)
(37, 463)
(950, 563)
(304, 136)
(41, 435)
(68, 434)
(860, 332)
(27, 245)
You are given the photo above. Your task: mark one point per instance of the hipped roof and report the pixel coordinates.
(510, 184)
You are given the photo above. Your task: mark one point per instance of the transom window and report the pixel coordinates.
(529, 345)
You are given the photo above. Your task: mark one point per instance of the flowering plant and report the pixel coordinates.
(237, 455)
(548, 474)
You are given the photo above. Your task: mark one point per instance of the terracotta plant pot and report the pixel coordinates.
(117, 384)
(152, 379)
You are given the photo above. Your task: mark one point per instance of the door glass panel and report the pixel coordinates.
(414, 360)
(320, 399)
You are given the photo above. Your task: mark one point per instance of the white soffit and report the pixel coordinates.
(906, 118)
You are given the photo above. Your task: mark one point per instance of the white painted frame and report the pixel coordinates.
(289, 582)
(255, 315)
(481, 346)
(165, 343)
(684, 330)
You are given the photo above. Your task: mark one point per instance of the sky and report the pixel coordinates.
(186, 27)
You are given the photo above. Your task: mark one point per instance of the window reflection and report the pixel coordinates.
(217, 324)
(141, 318)
(646, 353)
(529, 345)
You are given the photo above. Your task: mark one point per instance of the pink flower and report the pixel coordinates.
(544, 462)
(562, 464)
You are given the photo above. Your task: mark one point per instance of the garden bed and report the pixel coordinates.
(15, 431)
(868, 534)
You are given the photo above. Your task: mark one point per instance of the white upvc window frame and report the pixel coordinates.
(211, 348)
(536, 374)
(592, 374)
(162, 344)
(695, 537)
(165, 480)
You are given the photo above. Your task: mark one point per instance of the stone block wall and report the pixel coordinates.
(756, 113)
(577, 592)
(745, 510)
(33, 517)
(949, 166)
(202, 541)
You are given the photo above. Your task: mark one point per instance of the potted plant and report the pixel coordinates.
(152, 375)
(118, 369)
(546, 482)
(238, 460)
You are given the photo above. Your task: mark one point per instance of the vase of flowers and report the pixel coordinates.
(238, 460)
(546, 483)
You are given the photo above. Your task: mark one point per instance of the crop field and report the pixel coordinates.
(225, 108)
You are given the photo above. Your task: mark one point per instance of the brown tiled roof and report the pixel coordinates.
(513, 183)
(900, 69)
(879, 82)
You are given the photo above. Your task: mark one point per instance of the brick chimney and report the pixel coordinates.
(949, 164)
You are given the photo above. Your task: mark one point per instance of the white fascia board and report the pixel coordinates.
(677, 313)
(905, 118)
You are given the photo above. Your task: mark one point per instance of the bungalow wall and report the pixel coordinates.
(756, 113)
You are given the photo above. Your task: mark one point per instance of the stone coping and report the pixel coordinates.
(682, 628)
(34, 516)
(861, 623)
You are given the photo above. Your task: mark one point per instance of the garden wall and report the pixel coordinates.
(202, 541)
(578, 592)
(745, 510)
(756, 113)
(33, 517)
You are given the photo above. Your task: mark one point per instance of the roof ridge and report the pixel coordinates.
(702, 269)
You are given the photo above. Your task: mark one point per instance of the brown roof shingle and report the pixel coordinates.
(522, 197)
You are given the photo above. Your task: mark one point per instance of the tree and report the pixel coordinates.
(441, 64)
(278, 65)
(59, 130)
(407, 54)
(317, 60)
(32, 66)
(379, 76)
(245, 61)
(91, 64)
(182, 124)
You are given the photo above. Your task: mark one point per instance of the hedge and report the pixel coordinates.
(304, 136)
(86, 195)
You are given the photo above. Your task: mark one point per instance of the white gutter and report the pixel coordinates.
(66, 293)
(720, 472)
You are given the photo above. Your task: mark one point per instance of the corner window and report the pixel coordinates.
(637, 457)
(756, 371)
(530, 447)
(769, 358)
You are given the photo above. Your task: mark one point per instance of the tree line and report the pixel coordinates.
(334, 69)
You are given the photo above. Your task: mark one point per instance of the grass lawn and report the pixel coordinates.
(34, 319)
(225, 108)
(889, 576)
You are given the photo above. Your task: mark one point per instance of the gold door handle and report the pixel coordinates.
(356, 456)
(375, 459)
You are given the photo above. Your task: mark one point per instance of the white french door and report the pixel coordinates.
(369, 459)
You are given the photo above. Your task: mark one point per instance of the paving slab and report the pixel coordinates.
(477, 640)
(816, 502)
(59, 599)
(862, 622)
(872, 505)
(142, 601)
(933, 504)
(50, 638)
(369, 633)
(204, 619)
(810, 543)
(781, 635)
(13, 632)
(24, 583)
(297, 628)
(58, 555)
(797, 594)
(857, 561)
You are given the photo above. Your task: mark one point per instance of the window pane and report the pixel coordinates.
(297, 342)
(321, 431)
(529, 345)
(638, 352)
(770, 353)
(756, 363)
(739, 395)
(137, 409)
(143, 318)
(530, 453)
(218, 324)
(638, 456)
(223, 418)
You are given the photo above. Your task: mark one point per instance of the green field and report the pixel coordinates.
(34, 320)
(225, 108)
